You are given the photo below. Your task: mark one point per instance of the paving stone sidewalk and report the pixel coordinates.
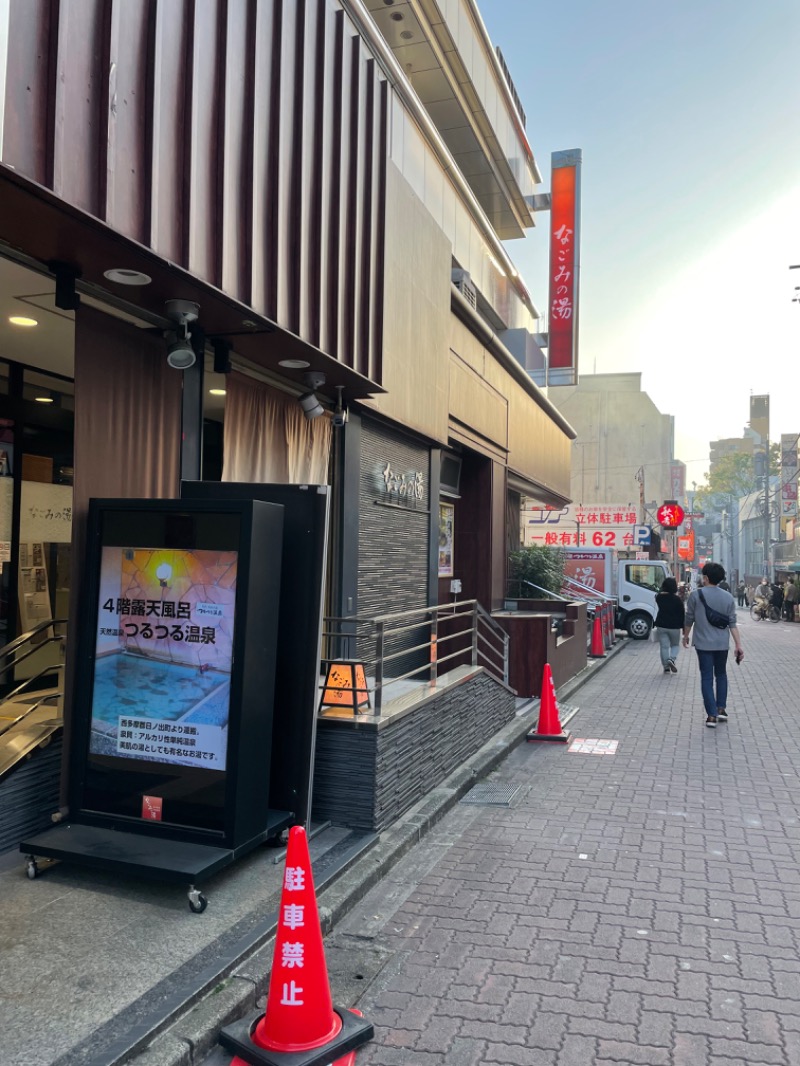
(640, 908)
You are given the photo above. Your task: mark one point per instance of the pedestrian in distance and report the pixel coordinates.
(711, 618)
(669, 623)
(791, 598)
(741, 589)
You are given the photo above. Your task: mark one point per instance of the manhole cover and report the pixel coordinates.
(485, 795)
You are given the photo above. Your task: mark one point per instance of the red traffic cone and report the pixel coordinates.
(549, 727)
(300, 1025)
(597, 650)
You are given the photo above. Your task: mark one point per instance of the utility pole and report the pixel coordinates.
(766, 511)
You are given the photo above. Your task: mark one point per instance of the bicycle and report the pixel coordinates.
(759, 612)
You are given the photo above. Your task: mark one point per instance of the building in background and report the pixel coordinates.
(624, 444)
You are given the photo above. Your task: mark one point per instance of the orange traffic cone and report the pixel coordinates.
(597, 650)
(300, 1025)
(549, 727)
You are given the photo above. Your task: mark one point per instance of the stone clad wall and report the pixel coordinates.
(368, 773)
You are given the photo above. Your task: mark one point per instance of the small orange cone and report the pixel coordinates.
(597, 650)
(300, 1025)
(549, 727)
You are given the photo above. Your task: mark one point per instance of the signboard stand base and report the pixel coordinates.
(136, 853)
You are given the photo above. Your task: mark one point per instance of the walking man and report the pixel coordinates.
(791, 598)
(711, 612)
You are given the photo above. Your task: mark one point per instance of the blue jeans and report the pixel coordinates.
(670, 641)
(713, 668)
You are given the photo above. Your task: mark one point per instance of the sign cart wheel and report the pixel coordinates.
(197, 901)
(32, 868)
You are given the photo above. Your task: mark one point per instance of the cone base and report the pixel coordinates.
(237, 1038)
(560, 738)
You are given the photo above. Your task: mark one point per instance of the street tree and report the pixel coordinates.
(734, 475)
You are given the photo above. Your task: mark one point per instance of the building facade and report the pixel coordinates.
(327, 183)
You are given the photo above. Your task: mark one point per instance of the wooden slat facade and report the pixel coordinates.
(243, 140)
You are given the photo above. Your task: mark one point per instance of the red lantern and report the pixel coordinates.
(670, 514)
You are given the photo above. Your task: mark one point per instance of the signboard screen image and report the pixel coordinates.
(163, 655)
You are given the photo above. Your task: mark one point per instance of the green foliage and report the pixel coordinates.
(734, 475)
(539, 564)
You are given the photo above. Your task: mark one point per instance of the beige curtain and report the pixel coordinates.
(269, 439)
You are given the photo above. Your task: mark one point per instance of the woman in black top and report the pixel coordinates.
(669, 622)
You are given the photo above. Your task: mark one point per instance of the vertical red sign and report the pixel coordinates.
(564, 268)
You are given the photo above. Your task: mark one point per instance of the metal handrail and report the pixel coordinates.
(30, 710)
(23, 638)
(377, 638)
(31, 651)
(11, 653)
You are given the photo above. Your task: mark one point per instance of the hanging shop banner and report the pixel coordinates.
(164, 651)
(789, 474)
(686, 546)
(677, 480)
(565, 197)
(589, 525)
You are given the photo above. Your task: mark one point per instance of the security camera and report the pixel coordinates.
(339, 418)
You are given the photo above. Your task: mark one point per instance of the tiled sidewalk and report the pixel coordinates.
(636, 908)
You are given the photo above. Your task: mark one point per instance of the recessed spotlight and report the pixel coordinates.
(43, 399)
(407, 35)
(294, 364)
(21, 320)
(249, 323)
(123, 276)
(397, 16)
(217, 392)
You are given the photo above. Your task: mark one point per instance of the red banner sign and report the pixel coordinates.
(564, 267)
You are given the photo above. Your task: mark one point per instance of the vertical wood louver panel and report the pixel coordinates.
(333, 251)
(169, 222)
(265, 126)
(79, 155)
(242, 140)
(237, 139)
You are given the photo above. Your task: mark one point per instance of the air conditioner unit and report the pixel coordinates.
(463, 282)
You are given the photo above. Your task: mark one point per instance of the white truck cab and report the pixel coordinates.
(638, 582)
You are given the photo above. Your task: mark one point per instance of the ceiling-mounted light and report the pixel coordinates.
(123, 276)
(217, 392)
(21, 320)
(294, 364)
(180, 353)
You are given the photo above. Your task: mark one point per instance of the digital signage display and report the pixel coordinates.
(163, 655)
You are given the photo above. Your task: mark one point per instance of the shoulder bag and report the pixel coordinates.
(715, 618)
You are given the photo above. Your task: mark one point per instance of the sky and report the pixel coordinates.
(688, 117)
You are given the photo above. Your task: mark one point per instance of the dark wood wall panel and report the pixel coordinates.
(243, 140)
